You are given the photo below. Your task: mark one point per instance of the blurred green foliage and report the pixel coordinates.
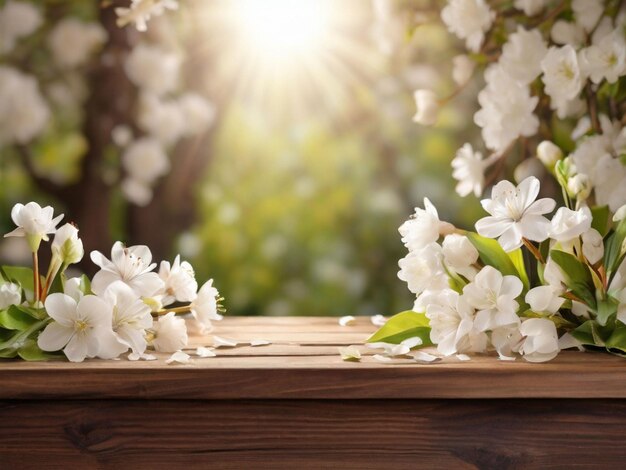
(299, 216)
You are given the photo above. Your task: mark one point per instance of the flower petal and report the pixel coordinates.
(511, 239)
(492, 227)
(54, 337)
(61, 308)
(78, 348)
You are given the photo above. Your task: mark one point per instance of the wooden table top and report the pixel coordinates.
(302, 362)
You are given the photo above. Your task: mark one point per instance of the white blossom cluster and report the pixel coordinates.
(113, 316)
(164, 113)
(474, 307)
(571, 56)
(164, 117)
(25, 112)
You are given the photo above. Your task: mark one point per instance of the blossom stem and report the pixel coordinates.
(181, 310)
(36, 286)
(53, 270)
(533, 249)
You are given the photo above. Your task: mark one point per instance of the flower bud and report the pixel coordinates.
(579, 186)
(458, 251)
(462, 69)
(427, 107)
(549, 154)
(620, 214)
(67, 246)
(528, 167)
(593, 247)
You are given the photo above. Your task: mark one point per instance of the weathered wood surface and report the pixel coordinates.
(302, 361)
(296, 404)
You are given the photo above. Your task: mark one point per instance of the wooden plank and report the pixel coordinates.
(306, 364)
(362, 434)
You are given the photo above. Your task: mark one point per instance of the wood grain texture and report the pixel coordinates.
(303, 362)
(363, 434)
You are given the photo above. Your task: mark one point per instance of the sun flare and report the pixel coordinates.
(279, 29)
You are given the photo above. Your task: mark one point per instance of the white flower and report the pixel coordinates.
(170, 333)
(460, 254)
(530, 7)
(204, 306)
(562, 76)
(33, 222)
(593, 246)
(540, 341)
(564, 32)
(145, 160)
(587, 12)
(82, 329)
(610, 182)
(23, 111)
(74, 288)
(427, 107)
(606, 60)
(17, 20)
(137, 192)
(153, 69)
(180, 281)
(579, 186)
(620, 214)
(506, 341)
(553, 276)
(462, 69)
(121, 135)
(423, 227)
(10, 294)
(469, 20)
(522, 55)
(140, 12)
(130, 265)
(515, 214)
(73, 41)
(67, 246)
(506, 110)
(131, 317)
(527, 167)
(493, 296)
(452, 325)
(544, 299)
(198, 113)
(568, 224)
(422, 269)
(161, 118)
(468, 169)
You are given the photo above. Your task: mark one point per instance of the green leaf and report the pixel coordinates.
(492, 254)
(600, 220)
(607, 308)
(20, 275)
(613, 255)
(15, 318)
(31, 352)
(402, 326)
(591, 334)
(577, 276)
(618, 339)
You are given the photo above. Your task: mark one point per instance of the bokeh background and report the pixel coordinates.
(291, 198)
